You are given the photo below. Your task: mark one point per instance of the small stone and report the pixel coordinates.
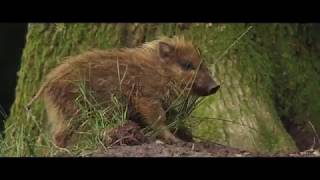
(159, 142)
(316, 153)
(238, 155)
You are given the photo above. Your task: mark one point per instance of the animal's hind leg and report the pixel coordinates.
(60, 128)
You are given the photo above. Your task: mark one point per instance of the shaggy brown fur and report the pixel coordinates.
(144, 75)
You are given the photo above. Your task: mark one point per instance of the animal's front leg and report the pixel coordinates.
(154, 115)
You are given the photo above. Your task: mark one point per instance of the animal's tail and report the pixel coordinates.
(39, 93)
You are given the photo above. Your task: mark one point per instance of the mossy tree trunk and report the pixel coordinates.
(242, 114)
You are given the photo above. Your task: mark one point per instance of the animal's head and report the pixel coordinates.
(186, 66)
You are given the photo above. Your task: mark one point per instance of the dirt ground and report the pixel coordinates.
(188, 150)
(128, 141)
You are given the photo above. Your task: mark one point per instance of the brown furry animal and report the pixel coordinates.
(145, 75)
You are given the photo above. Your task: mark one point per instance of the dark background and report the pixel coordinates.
(12, 41)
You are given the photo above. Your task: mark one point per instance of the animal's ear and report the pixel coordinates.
(165, 50)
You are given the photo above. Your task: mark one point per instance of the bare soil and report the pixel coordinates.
(129, 141)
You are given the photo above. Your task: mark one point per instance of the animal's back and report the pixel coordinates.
(144, 75)
(107, 73)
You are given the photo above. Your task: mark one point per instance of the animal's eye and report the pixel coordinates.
(187, 66)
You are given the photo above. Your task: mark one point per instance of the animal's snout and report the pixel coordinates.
(213, 88)
(206, 89)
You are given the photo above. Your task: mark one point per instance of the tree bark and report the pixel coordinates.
(242, 114)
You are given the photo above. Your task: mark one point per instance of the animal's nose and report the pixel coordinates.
(213, 88)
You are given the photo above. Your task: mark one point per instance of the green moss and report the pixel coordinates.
(47, 45)
(239, 93)
(270, 73)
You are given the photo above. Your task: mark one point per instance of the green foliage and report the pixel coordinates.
(94, 120)
(297, 80)
(272, 72)
(48, 45)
